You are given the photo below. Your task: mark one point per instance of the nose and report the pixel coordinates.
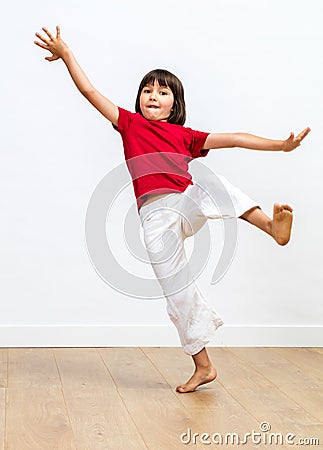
(153, 95)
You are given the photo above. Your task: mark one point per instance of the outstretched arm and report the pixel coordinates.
(244, 140)
(59, 49)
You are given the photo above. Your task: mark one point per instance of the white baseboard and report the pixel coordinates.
(155, 336)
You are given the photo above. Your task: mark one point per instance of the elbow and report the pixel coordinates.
(235, 140)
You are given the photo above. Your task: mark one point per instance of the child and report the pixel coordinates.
(169, 204)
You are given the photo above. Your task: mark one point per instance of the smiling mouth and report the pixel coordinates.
(152, 106)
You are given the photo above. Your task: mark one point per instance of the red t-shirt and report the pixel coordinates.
(157, 153)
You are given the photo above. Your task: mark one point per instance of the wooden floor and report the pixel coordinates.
(124, 398)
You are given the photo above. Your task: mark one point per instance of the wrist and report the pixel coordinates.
(66, 54)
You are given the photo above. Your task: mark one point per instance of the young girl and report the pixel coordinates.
(158, 149)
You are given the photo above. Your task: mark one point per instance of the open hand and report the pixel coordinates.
(55, 45)
(292, 142)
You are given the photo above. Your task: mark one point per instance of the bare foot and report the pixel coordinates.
(200, 376)
(281, 224)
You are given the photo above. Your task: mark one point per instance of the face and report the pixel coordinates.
(156, 102)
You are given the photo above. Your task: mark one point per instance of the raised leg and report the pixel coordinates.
(279, 227)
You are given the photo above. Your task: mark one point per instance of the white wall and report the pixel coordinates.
(246, 66)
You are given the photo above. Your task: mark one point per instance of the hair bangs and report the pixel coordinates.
(156, 75)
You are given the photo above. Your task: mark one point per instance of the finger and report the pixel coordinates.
(291, 137)
(58, 32)
(42, 45)
(41, 38)
(51, 58)
(48, 33)
(304, 133)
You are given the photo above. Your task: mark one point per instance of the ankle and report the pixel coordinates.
(269, 228)
(203, 367)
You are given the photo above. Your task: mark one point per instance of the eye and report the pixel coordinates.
(146, 91)
(163, 93)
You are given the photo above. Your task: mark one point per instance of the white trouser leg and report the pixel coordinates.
(165, 230)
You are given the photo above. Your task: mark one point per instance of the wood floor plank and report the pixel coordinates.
(214, 408)
(317, 350)
(3, 367)
(299, 384)
(81, 368)
(304, 358)
(275, 408)
(276, 367)
(232, 373)
(100, 420)
(266, 401)
(97, 413)
(37, 420)
(157, 412)
(131, 369)
(159, 417)
(32, 367)
(3, 385)
(2, 417)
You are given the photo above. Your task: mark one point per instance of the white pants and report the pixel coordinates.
(166, 223)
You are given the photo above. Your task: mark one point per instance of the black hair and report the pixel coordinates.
(166, 79)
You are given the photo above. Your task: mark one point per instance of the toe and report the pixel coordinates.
(288, 208)
(183, 389)
(277, 208)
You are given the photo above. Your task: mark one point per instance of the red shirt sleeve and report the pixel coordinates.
(198, 139)
(123, 120)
